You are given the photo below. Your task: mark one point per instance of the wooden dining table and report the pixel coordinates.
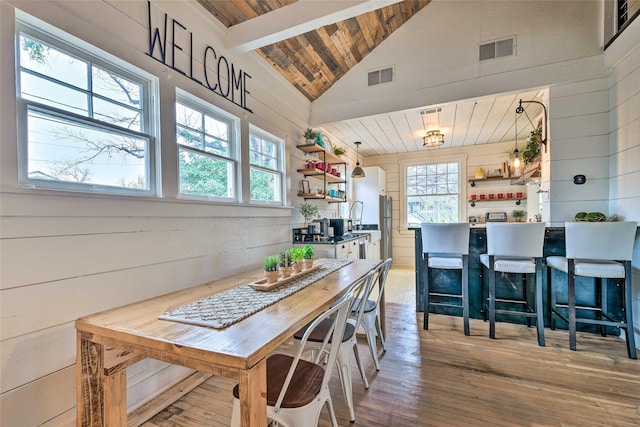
(110, 341)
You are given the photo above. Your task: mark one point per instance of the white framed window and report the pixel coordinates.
(266, 167)
(433, 191)
(85, 118)
(207, 150)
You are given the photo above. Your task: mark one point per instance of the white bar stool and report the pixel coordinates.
(515, 248)
(446, 246)
(602, 250)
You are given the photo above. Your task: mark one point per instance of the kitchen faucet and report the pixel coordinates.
(356, 219)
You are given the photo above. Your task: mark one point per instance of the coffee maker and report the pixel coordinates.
(323, 225)
(338, 227)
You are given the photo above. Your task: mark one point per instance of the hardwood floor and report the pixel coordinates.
(440, 377)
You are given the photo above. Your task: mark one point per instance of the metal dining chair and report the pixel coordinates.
(370, 316)
(446, 246)
(600, 250)
(298, 389)
(360, 290)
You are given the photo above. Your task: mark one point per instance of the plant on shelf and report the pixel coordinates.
(284, 264)
(339, 151)
(308, 211)
(533, 146)
(307, 254)
(297, 255)
(310, 136)
(270, 264)
(518, 214)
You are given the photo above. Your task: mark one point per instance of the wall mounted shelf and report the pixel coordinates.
(322, 175)
(473, 181)
(518, 201)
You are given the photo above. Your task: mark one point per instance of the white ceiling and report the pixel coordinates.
(470, 122)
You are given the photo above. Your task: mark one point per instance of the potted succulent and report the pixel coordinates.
(308, 211)
(518, 214)
(284, 264)
(296, 257)
(307, 255)
(310, 136)
(270, 264)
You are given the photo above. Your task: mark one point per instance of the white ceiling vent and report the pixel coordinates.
(381, 76)
(431, 110)
(497, 49)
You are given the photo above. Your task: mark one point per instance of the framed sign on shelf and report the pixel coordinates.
(306, 189)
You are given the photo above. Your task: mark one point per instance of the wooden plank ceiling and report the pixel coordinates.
(315, 60)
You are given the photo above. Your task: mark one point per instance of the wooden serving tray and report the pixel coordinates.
(261, 285)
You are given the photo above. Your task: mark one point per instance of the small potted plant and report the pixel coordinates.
(307, 255)
(339, 151)
(296, 257)
(308, 211)
(310, 136)
(284, 264)
(518, 214)
(270, 264)
(532, 148)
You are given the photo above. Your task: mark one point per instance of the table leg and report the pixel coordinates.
(115, 399)
(253, 396)
(89, 383)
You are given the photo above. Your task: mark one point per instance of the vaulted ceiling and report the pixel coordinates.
(315, 59)
(314, 43)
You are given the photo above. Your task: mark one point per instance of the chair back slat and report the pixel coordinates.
(380, 277)
(338, 313)
(445, 238)
(361, 292)
(600, 240)
(515, 240)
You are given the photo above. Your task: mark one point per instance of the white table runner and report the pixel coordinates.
(228, 307)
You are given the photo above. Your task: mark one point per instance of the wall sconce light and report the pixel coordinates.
(520, 110)
(515, 158)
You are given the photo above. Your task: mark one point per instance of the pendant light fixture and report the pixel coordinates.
(515, 158)
(358, 172)
(432, 138)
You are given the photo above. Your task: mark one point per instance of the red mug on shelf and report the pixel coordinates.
(320, 165)
(474, 197)
(500, 196)
(483, 196)
(492, 196)
(519, 195)
(509, 195)
(327, 167)
(334, 171)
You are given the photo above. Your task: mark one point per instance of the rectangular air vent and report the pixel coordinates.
(381, 76)
(497, 49)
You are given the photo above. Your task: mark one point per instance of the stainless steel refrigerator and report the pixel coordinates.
(385, 227)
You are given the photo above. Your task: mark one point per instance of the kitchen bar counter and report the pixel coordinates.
(554, 244)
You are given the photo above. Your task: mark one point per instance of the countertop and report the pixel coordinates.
(335, 240)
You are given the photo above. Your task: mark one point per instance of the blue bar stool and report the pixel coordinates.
(446, 246)
(602, 250)
(515, 248)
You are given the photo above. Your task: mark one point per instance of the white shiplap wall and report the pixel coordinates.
(487, 156)
(624, 141)
(65, 255)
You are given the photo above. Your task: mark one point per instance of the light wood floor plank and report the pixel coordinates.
(440, 377)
